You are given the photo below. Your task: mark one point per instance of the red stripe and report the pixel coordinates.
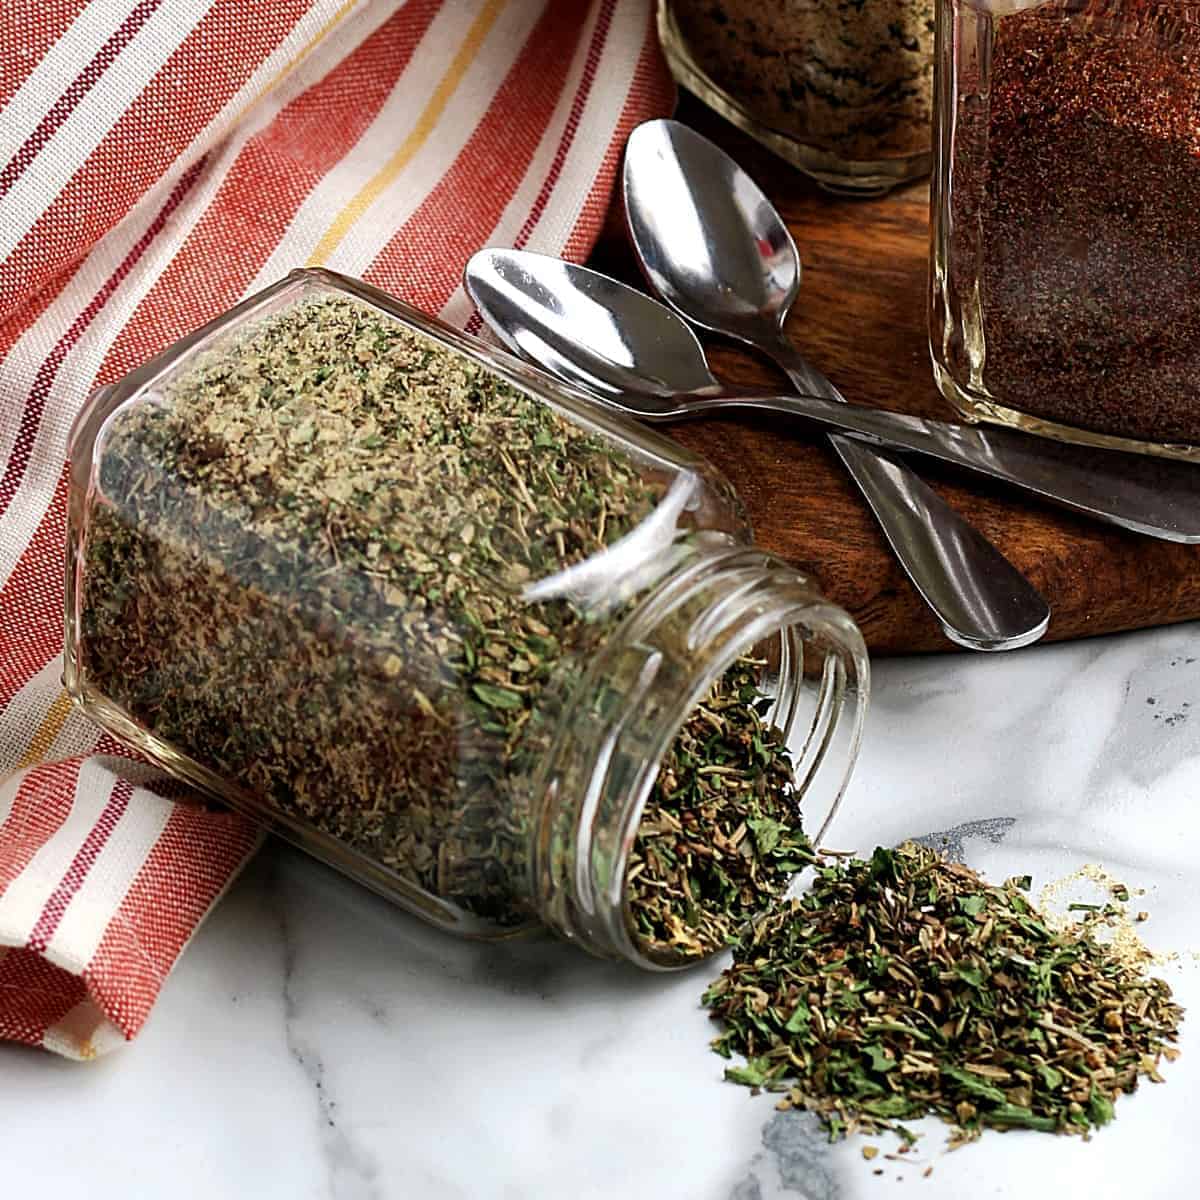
(31, 602)
(31, 418)
(195, 858)
(40, 806)
(34, 996)
(587, 79)
(15, 324)
(424, 260)
(651, 93)
(108, 746)
(595, 50)
(67, 102)
(82, 863)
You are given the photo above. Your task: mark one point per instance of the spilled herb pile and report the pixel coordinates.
(720, 838)
(906, 985)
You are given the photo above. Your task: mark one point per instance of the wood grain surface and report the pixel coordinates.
(861, 319)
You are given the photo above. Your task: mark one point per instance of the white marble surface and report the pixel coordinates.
(315, 1043)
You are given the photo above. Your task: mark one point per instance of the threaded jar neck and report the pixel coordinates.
(653, 671)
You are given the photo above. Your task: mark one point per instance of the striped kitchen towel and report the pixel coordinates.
(160, 160)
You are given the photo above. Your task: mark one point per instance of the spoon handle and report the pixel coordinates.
(1158, 497)
(982, 601)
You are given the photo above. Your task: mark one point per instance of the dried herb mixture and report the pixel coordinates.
(720, 839)
(906, 985)
(306, 575)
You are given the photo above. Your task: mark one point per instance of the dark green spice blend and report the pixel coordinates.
(306, 573)
(906, 985)
(721, 839)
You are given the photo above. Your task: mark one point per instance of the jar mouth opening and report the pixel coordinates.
(808, 724)
(778, 653)
(640, 692)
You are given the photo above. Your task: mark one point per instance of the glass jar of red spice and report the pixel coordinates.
(1066, 230)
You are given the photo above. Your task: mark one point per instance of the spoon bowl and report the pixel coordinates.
(710, 242)
(589, 329)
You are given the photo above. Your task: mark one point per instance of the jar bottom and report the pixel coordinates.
(975, 407)
(851, 178)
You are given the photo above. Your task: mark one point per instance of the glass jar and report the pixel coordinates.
(427, 613)
(1066, 219)
(842, 91)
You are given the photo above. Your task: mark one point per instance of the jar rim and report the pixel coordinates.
(581, 857)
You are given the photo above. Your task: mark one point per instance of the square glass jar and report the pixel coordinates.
(1066, 219)
(425, 612)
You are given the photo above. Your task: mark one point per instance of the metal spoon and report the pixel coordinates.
(716, 250)
(634, 354)
(597, 333)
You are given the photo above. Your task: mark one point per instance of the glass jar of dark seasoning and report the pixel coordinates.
(1066, 245)
(506, 659)
(842, 90)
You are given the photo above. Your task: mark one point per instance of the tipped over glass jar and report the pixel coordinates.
(506, 659)
(844, 91)
(1066, 281)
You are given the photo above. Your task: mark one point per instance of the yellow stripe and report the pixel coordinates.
(425, 125)
(49, 729)
(336, 19)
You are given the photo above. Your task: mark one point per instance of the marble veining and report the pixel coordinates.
(794, 1162)
(316, 1044)
(952, 842)
(352, 1173)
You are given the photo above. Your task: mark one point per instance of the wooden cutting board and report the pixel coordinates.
(861, 319)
